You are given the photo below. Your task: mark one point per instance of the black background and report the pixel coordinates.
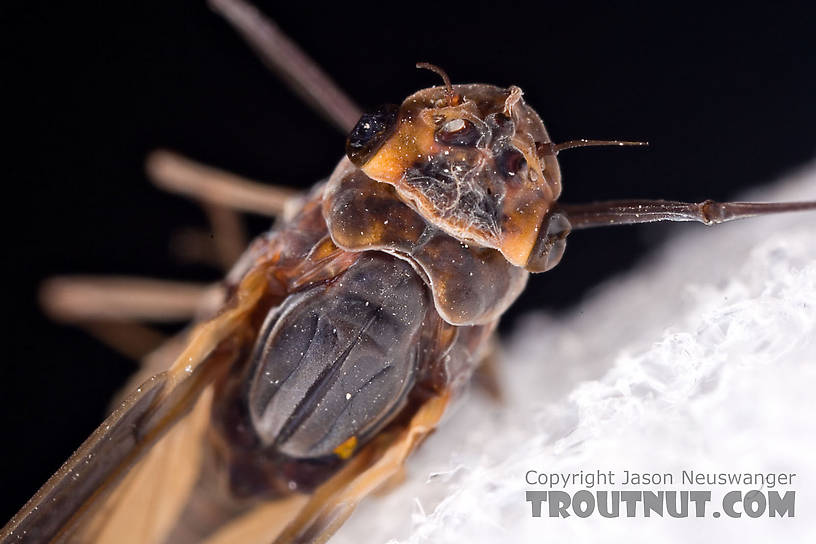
(725, 96)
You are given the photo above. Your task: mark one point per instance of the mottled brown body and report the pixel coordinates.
(452, 204)
(304, 253)
(342, 333)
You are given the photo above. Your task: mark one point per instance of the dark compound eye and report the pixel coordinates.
(511, 162)
(458, 132)
(370, 133)
(551, 242)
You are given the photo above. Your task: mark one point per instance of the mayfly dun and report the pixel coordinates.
(337, 340)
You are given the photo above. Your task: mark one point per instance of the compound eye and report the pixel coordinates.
(370, 133)
(459, 132)
(551, 242)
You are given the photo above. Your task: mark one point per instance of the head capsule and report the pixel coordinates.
(476, 163)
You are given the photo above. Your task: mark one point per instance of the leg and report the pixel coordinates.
(195, 245)
(295, 68)
(177, 174)
(86, 298)
(111, 308)
(229, 234)
(133, 340)
(486, 375)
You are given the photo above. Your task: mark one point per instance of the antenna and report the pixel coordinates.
(452, 98)
(550, 148)
(709, 212)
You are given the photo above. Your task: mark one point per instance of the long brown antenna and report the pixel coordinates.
(452, 98)
(551, 148)
(595, 143)
(281, 54)
(628, 212)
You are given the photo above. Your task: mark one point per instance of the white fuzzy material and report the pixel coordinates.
(704, 358)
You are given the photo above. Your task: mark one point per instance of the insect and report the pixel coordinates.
(419, 191)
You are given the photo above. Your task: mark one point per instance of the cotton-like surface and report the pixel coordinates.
(703, 358)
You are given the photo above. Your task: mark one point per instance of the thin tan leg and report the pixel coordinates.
(229, 234)
(486, 376)
(296, 69)
(133, 340)
(180, 175)
(195, 245)
(87, 298)
(110, 308)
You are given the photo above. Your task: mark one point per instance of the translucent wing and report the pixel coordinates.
(69, 489)
(69, 503)
(145, 505)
